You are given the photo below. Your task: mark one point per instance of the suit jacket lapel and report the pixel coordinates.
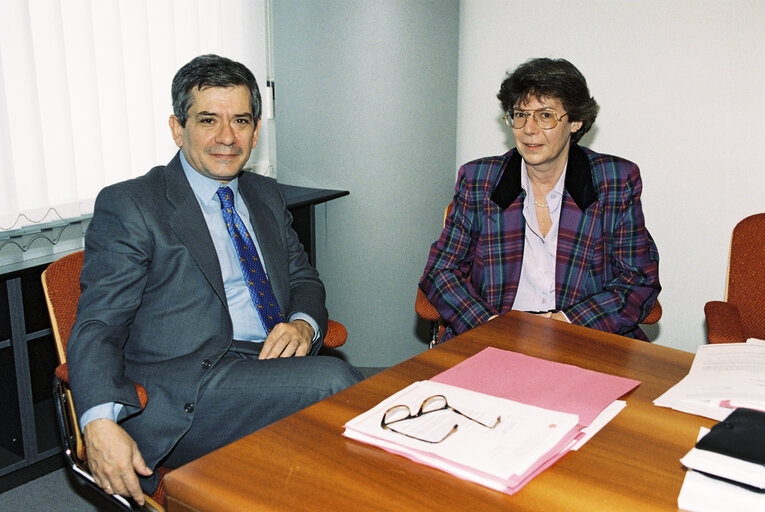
(576, 230)
(511, 230)
(578, 179)
(186, 221)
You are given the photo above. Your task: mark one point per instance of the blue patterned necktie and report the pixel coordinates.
(260, 289)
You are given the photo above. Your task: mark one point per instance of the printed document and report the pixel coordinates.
(722, 377)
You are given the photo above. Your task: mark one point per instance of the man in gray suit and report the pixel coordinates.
(172, 300)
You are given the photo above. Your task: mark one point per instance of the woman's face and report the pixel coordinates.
(544, 151)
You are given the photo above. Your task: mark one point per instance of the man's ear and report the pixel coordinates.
(255, 135)
(176, 130)
(576, 126)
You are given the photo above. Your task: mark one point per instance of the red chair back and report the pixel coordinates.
(746, 274)
(61, 283)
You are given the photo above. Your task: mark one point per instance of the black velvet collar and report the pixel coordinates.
(578, 180)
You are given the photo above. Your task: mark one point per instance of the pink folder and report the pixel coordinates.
(534, 381)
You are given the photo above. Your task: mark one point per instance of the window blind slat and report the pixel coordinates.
(85, 93)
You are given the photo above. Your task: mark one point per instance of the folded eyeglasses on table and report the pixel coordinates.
(435, 403)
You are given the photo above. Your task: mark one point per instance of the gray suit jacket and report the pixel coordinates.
(153, 308)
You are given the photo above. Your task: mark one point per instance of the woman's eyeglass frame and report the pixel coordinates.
(512, 118)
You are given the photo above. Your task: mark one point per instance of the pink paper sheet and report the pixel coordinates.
(534, 381)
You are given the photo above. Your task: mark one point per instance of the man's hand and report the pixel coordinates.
(114, 459)
(287, 340)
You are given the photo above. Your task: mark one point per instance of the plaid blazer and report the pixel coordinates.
(607, 265)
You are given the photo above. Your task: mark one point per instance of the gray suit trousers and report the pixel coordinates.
(243, 394)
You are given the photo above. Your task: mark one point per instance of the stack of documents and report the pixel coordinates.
(545, 408)
(726, 468)
(722, 377)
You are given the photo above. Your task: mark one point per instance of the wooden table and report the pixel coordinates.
(304, 463)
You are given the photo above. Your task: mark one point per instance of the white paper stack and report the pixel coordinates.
(546, 408)
(525, 439)
(722, 377)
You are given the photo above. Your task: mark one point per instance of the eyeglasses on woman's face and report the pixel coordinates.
(546, 118)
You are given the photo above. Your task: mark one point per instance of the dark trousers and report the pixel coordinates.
(244, 394)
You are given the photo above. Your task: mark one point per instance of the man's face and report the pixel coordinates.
(544, 150)
(220, 131)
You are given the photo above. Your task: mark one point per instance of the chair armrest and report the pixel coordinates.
(336, 335)
(62, 372)
(655, 314)
(424, 308)
(723, 323)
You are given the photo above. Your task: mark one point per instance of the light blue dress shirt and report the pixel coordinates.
(245, 319)
(244, 316)
(536, 287)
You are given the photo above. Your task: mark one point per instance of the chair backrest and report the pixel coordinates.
(746, 273)
(61, 283)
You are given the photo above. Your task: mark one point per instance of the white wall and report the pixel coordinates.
(681, 86)
(366, 101)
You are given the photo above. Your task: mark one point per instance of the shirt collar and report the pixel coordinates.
(205, 188)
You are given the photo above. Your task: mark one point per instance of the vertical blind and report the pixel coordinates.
(85, 93)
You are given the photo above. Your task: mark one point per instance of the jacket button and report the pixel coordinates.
(189, 407)
(206, 364)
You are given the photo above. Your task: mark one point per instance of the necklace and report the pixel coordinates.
(541, 205)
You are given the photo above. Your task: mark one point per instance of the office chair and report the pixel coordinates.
(61, 284)
(740, 316)
(428, 312)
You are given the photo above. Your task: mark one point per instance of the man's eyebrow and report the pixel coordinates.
(204, 113)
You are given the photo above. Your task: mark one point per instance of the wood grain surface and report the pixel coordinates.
(304, 463)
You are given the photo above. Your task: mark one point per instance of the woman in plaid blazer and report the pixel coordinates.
(549, 227)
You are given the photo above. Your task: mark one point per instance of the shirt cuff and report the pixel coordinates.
(107, 411)
(311, 322)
